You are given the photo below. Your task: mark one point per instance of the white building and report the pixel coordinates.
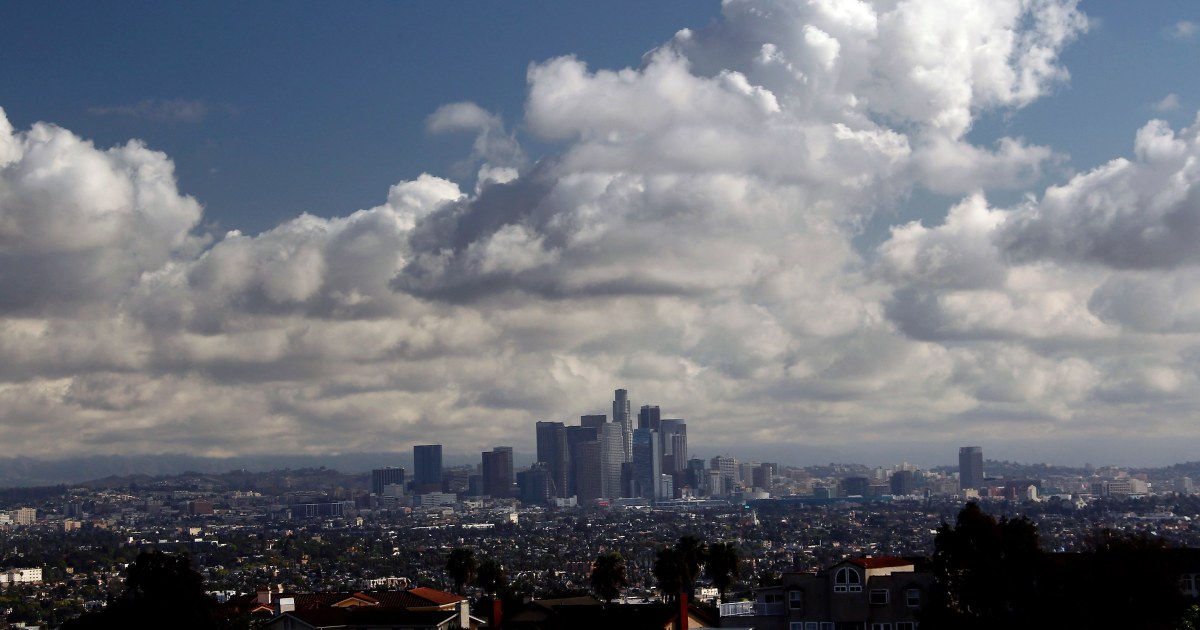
(21, 576)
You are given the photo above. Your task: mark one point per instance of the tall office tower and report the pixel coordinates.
(761, 477)
(593, 421)
(575, 436)
(970, 467)
(427, 468)
(535, 484)
(553, 452)
(498, 472)
(612, 455)
(650, 418)
(647, 470)
(386, 476)
(673, 438)
(695, 472)
(622, 417)
(589, 484)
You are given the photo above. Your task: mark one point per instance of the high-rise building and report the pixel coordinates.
(729, 470)
(647, 471)
(970, 467)
(552, 450)
(669, 429)
(25, 516)
(761, 477)
(498, 472)
(594, 421)
(535, 484)
(385, 476)
(612, 455)
(649, 417)
(576, 436)
(589, 482)
(622, 417)
(427, 468)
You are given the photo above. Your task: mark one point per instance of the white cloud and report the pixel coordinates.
(1183, 29)
(692, 239)
(1169, 102)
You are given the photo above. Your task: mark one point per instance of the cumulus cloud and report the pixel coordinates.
(79, 225)
(690, 237)
(493, 146)
(1133, 214)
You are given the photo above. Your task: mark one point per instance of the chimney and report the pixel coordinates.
(496, 612)
(464, 614)
(263, 595)
(683, 611)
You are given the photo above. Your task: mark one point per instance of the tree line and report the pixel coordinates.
(676, 569)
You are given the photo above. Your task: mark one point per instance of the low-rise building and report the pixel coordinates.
(855, 594)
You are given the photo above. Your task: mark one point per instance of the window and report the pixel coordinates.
(906, 625)
(1188, 583)
(826, 625)
(881, 626)
(796, 601)
(847, 580)
(812, 625)
(912, 597)
(796, 625)
(772, 598)
(879, 596)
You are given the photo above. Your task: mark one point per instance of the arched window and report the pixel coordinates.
(847, 580)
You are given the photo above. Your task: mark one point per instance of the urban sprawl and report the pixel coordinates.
(823, 547)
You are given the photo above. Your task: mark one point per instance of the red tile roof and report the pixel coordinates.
(879, 563)
(441, 598)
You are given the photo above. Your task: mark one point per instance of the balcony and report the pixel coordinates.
(737, 609)
(769, 610)
(750, 609)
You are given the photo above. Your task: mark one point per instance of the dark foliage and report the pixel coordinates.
(161, 591)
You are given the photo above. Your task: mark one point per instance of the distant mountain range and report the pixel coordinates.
(26, 471)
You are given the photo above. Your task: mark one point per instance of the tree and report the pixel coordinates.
(669, 570)
(695, 554)
(161, 590)
(677, 568)
(462, 565)
(986, 572)
(491, 577)
(608, 576)
(723, 566)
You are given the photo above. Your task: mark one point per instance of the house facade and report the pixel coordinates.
(855, 594)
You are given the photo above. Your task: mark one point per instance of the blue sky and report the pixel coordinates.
(312, 107)
(854, 227)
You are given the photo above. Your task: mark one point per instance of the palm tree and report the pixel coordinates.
(608, 576)
(669, 572)
(491, 577)
(462, 565)
(694, 553)
(723, 566)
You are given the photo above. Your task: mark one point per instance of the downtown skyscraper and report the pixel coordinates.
(427, 468)
(553, 451)
(622, 417)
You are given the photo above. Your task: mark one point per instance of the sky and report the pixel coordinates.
(816, 230)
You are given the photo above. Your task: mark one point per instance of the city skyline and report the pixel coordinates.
(833, 230)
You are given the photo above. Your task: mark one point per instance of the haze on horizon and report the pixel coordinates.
(831, 226)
